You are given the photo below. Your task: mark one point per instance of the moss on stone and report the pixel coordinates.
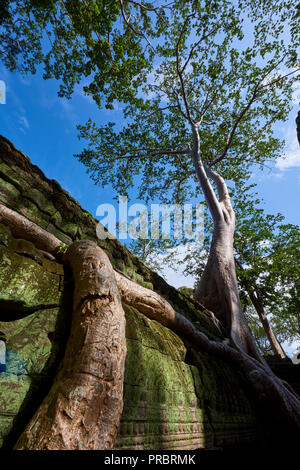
(171, 403)
(28, 339)
(38, 198)
(23, 280)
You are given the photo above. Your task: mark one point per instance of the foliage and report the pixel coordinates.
(81, 41)
(208, 72)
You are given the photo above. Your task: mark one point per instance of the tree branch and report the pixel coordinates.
(197, 44)
(157, 153)
(127, 22)
(212, 201)
(280, 78)
(179, 71)
(235, 126)
(155, 9)
(220, 183)
(160, 109)
(256, 91)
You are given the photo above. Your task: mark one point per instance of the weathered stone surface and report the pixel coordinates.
(177, 398)
(174, 396)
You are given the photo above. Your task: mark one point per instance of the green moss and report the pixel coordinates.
(88, 214)
(5, 235)
(148, 285)
(38, 198)
(172, 396)
(32, 212)
(68, 228)
(12, 177)
(23, 280)
(59, 234)
(8, 191)
(28, 341)
(13, 389)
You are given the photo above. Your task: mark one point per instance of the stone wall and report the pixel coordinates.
(175, 397)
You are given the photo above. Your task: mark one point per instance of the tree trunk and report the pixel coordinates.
(217, 289)
(275, 345)
(83, 408)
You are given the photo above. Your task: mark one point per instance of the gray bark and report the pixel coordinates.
(217, 289)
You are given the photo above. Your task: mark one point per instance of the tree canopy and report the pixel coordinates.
(103, 45)
(217, 65)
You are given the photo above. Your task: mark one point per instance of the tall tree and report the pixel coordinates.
(267, 260)
(215, 98)
(213, 102)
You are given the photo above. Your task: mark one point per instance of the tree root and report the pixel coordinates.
(21, 227)
(84, 406)
(278, 401)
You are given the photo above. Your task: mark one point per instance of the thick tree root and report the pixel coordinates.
(68, 415)
(21, 227)
(84, 405)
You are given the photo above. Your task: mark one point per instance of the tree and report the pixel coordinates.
(207, 92)
(268, 272)
(213, 103)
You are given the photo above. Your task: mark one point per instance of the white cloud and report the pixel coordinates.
(289, 348)
(277, 176)
(25, 81)
(68, 111)
(48, 102)
(24, 122)
(80, 92)
(296, 93)
(175, 277)
(291, 158)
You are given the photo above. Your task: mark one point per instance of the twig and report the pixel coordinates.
(127, 22)
(155, 153)
(280, 78)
